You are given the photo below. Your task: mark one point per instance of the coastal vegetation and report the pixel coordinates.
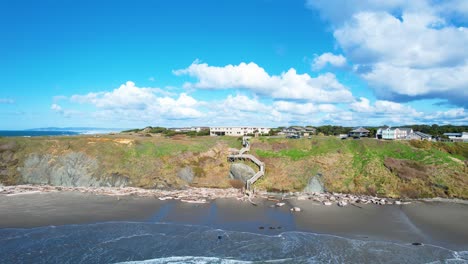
(364, 166)
(434, 130)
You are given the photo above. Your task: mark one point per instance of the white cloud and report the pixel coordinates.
(6, 101)
(328, 58)
(324, 88)
(64, 112)
(456, 116)
(244, 103)
(56, 108)
(384, 107)
(338, 11)
(405, 49)
(303, 108)
(132, 102)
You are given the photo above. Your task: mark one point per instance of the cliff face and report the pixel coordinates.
(8, 161)
(367, 166)
(115, 161)
(71, 169)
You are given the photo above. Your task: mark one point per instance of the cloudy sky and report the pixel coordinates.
(126, 64)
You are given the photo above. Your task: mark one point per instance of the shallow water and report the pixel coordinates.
(137, 242)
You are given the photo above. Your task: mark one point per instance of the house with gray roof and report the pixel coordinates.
(359, 132)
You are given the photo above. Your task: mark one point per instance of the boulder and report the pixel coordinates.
(240, 171)
(342, 203)
(327, 203)
(186, 174)
(295, 209)
(315, 185)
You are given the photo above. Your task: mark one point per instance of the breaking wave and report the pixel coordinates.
(136, 242)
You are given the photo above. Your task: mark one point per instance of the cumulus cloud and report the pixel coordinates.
(244, 103)
(56, 108)
(303, 108)
(363, 105)
(328, 58)
(6, 101)
(456, 116)
(130, 101)
(68, 113)
(324, 88)
(405, 50)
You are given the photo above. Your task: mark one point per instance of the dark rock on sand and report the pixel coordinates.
(242, 172)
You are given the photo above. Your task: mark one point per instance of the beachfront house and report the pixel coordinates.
(298, 131)
(420, 136)
(188, 129)
(457, 137)
(359, 132)
(378, 133)
(396, 133)
(238, 131)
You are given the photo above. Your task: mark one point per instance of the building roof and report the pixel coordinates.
(423, 135)
(360, 130)
(453, 134)
(407, 129)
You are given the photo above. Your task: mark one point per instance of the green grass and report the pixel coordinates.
(363, 150)
(347, 165)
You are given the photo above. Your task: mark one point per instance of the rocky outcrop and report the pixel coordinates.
(7, 158)
(242, 172)
(72, 169)
(315, 185)
(186, 174)
(115, 180)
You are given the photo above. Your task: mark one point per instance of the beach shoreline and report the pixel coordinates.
(436, 223)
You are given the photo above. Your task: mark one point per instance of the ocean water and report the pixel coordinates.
(26, 133)
(145, 242)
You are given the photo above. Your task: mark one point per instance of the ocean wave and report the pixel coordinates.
(136, 242)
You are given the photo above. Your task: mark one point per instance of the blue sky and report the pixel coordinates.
(186, 63)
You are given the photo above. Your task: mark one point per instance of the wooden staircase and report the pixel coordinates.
(240, 155)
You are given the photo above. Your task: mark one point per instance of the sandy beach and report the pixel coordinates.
(436, 223)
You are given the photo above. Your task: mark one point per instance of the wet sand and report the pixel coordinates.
(436, 223)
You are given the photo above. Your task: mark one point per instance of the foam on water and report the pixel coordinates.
(136, 242)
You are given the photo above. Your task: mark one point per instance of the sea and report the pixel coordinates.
(29, 133)
(154, 242)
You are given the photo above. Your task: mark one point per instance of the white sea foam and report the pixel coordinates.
(187, 260)
(117, 242)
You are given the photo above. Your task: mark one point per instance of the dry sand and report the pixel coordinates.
(436, 223)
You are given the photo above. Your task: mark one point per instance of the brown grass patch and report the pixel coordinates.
(406, 169)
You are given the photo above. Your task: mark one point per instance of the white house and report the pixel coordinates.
(238, 131)
(396, 133)
(299, 131)
(457, 137)
(187, 129)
